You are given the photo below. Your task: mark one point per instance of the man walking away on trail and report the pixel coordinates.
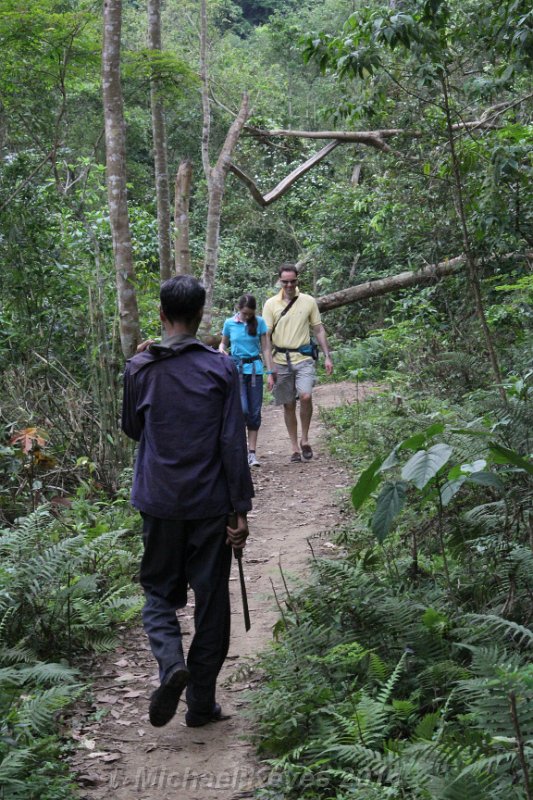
(181, 403)
(246, 334)
(290, 315)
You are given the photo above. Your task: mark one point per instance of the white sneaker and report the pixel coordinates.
(252, 460)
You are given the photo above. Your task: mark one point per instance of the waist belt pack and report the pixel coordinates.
(310, 350)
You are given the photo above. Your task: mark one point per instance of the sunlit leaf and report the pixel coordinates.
(425, 464)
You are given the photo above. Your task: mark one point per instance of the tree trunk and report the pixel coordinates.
(116, 178)
(160, 148)
(181, 218)
(470, 261)
(215, 176)
(216, 193)
(403, 280)
(204, 77)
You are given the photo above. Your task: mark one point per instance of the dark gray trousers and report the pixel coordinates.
(178, 554)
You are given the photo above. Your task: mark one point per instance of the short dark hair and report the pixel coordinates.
(182, 298)
(287, 266)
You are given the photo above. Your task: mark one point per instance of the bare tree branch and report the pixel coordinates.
(371, 138)
(284, 185)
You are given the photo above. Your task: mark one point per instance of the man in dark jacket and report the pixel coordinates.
(181, 403)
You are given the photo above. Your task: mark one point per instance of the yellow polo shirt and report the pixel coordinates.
(292, 330)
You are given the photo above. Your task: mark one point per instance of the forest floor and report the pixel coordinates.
(118, 753)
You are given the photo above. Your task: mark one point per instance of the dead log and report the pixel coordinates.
(364, 291)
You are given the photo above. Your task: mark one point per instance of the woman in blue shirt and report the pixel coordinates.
(246, 335)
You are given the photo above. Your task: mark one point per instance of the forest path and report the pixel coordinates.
(120, 754)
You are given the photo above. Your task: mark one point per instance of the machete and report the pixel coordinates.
(237, 552)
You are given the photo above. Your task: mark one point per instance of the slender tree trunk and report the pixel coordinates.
(160, 148)
(204, 77)
(215, 176)
(470, 260)
(181, 218)
(216, 194)
(116, 178)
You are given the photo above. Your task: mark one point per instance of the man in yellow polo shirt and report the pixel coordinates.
(290, 316)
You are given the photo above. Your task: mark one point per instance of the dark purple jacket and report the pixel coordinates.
(181, 403)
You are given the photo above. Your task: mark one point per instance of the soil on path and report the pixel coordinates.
(119, 753)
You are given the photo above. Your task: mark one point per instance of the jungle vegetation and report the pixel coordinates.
(386, 148)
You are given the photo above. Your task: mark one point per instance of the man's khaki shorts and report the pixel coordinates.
(290, 384)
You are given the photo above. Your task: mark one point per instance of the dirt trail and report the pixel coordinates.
(120, 754)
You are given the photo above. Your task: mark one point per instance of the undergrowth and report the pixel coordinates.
(404, 669)
(66, 581)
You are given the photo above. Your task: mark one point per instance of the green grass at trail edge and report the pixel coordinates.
(386, 678)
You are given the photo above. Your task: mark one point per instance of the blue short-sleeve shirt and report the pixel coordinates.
(243, 345)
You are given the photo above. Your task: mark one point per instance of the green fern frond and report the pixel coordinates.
(486, 627)
(426, 727)
(487, 517)
(465, 787)
(14, 765)
(377, 669)
(44, 673)
(385, 692)
(37, 713)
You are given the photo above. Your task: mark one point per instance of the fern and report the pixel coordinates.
(386, 690)
(487, 627)
(37, 713)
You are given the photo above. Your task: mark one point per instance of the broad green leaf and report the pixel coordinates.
(476, 466)
(503, 455)
(450, 489)
(391, 461)
(413, 442)
(425, 464)
(455, 473)
(486, 479)
(418, 439)
(368, 480)
(390, 502)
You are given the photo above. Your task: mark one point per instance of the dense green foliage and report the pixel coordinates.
(65, 583)
(405, 715)
(404, 669)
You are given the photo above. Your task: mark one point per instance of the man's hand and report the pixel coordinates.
(145, 345)
(237, 536)
(271, 380)
(328, 363)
